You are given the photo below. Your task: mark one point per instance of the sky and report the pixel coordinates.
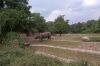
(74, 10)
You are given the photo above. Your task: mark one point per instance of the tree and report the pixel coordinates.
(1, 4)
(77, 28)
(12, 20)
(14, 16)
(37, 22)
(90, 26)
(50, 27)
(15, 4)
(97, 26)
(61, 25)
(84, 27)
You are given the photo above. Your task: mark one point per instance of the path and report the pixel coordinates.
(64, 48)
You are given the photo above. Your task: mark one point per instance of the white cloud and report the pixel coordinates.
(90, 3)
(54, 14)
(74, 10)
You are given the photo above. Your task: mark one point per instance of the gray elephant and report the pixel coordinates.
(42, 36)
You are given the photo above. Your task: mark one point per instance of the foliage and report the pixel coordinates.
(77, 28)
(37, 22)
(13, 16)
(11, 37)
(97, 26)
(61, 25)
(91, 26)
(21, 5)
(13, 19)
(50, 27)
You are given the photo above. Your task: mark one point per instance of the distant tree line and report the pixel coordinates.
(91, 26)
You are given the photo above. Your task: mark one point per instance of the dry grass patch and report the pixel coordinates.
(81, 45)
(74, 37)
(92, 58)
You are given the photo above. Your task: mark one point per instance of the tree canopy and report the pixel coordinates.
(91, 26)
(14, 16)
(37, 22)
(61, 25)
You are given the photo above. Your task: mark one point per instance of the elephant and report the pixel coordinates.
(42, 36)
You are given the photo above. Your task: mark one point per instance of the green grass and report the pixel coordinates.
(25, 57)
(80, 63)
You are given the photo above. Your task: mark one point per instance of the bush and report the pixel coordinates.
(11, 37)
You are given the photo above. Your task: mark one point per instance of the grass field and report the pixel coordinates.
(78, 56)
(72, 41)
(19, 57)
(74, 37)
(71, 44)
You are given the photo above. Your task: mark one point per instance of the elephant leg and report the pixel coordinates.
(49, 37)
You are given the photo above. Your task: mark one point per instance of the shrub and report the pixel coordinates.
(10, 37)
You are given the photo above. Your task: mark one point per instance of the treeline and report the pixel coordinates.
(91, 26)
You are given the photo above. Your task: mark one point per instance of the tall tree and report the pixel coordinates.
(37, 22)
(77, 28)
(13, 15)
(50, 26)
(21, 5)
(61, 25)
(12, 20)
(97, 26)
(1, 4)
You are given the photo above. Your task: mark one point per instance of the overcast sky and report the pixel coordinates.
(74, 10)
